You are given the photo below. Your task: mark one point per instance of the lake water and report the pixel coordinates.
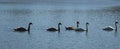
(43, 17)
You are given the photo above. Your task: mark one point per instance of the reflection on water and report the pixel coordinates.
(42, 19)
(16, 11)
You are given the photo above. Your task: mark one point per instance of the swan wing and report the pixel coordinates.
(110, 28)
(51, 29)
(20, 29)
(69, 28)
(79, 29)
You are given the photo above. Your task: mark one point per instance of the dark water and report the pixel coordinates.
(43, 17)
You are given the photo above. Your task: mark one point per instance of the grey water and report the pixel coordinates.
(45, 16)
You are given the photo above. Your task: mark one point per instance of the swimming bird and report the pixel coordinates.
(54, 29)
(110, 28)
(71, 28)
(81, 29)
(21, 29)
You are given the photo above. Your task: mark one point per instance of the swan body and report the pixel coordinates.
(54, 29)
(21, 29)
(80, 29)
(69, 28)
(110, 28)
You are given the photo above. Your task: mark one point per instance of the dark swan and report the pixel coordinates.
(21, 29)
(110, 28)
(54, 29)
(80, 29)
(71, 28)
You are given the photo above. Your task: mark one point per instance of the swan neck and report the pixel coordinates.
(58, 28)
(77, 25)
(29, 27)
(115, 26)
(87, 27)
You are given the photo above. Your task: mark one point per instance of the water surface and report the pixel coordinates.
(43, 17)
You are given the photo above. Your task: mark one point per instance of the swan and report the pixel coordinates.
(71, 28)
(21, 29)
(54, 29)
(81, 29)
(110, 28)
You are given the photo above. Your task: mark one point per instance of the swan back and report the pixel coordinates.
(108, 28)
(21, 29)
(79, 30)
(51, 29)
(69, 28)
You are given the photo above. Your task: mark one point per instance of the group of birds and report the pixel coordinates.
(70, 28)
(107, 28)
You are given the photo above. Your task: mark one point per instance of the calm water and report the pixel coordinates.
(43, 17)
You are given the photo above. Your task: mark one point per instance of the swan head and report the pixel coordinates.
(30, 23)
(59, 23)
(87, 23)
(116, 22)
(77, 22)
